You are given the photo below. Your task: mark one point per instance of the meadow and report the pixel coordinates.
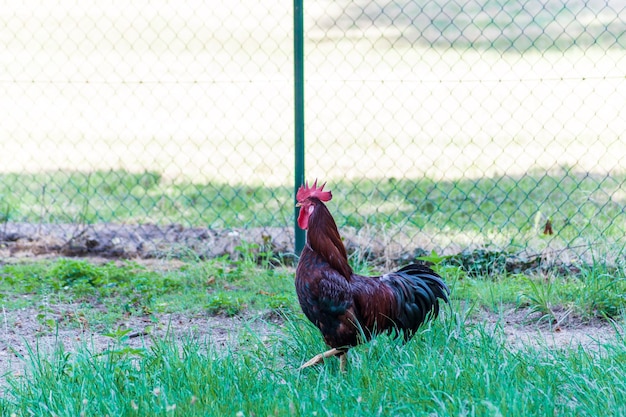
(460, 364)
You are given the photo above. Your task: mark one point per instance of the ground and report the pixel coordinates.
(520, 330)
(20, 330)
(133, 241)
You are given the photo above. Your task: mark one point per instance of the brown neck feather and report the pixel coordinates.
(324, 238)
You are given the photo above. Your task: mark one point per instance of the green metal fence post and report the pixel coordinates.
(298, 52)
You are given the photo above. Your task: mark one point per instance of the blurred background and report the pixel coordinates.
(458, 127)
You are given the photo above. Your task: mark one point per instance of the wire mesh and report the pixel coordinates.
(472, 124)
(439, 125)
(150, 112)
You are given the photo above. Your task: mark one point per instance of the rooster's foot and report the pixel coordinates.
(343, 358)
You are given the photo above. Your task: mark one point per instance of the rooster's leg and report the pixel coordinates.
(343, 361)
(320, 358)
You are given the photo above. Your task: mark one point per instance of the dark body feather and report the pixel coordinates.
(347, 307)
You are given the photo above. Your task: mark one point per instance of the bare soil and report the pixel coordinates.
(149, 241)
(22, 334)
(521, 329)
(134, 241)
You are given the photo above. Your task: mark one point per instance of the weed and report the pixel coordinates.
(121, 349)
(479, 262)
(221, 303)
(255, 254)
(602, 293)
(540, 298)
(81, 276)
(280, 302)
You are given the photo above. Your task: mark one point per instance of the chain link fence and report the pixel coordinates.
(441, 126)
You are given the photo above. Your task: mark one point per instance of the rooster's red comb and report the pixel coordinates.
(305, 192)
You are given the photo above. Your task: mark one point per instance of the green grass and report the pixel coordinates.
(218, 286)
(583, 208)
(450, 369)
(223, 286)
(123, 197)
(576, 203)
(595, 291)
(455, 366)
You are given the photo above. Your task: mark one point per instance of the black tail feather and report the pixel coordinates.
(418, 290)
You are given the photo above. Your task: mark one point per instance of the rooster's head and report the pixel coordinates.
(306, 197)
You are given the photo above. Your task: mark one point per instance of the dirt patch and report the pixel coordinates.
(136, 241)
(21, 332)
(521, 329)
(146, 241)
(149, 241)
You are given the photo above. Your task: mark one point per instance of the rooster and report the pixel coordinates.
(350, 308)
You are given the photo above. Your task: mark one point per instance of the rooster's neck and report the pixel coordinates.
(324, 239)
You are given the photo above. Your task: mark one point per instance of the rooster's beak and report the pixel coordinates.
(298, 204)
